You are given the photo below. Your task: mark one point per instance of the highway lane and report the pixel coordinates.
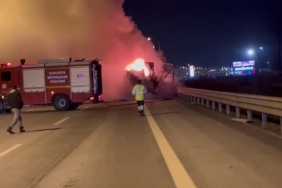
(45, 143)
(217, 152)
(108, 146)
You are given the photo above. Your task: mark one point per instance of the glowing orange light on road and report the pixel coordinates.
(138, 65)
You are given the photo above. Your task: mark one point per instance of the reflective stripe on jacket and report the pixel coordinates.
(139, 92)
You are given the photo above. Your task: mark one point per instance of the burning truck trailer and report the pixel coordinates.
(62, 83)
(144, 71)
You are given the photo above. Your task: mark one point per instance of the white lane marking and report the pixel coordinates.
(61, 121)
(85, 108)
(9, 150)
(179, 175)
(30, 110)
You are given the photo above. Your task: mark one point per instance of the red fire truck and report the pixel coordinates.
(63, 83)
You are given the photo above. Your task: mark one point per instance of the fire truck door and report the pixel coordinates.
(97, 79)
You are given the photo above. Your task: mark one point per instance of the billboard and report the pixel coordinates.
(244, 65)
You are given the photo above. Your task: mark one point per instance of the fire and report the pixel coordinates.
(138, 65)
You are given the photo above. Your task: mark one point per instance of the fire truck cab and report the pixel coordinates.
(62, 83)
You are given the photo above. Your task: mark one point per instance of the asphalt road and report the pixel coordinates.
(110, 146)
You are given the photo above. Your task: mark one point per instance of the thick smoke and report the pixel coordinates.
(41, 29)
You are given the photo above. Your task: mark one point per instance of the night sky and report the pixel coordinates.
(208, 33)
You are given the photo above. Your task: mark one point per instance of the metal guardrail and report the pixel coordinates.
(263, 104)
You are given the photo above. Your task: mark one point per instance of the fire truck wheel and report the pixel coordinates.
(8, 110)
(61, 102)
(2, 108)
(74, 106)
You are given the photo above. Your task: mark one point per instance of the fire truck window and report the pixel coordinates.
(6, 76)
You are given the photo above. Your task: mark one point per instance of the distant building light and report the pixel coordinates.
(192, 71)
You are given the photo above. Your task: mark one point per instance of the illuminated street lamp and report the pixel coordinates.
(251, 52)
(159, 46)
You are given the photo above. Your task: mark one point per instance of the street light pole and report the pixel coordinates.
(255, 53)
(159, 46)
(279, 56)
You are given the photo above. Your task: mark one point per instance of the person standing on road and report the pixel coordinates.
(139, 91)
(16, 103)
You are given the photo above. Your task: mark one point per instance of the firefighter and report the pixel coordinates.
(16, 103)
(139, 91)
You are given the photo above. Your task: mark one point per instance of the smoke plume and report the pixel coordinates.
(43, 29)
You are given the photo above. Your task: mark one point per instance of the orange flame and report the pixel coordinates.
(138, 65)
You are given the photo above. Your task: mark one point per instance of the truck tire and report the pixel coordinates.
(74, 106)
(2, 107)
(61, 102)
(8, 110)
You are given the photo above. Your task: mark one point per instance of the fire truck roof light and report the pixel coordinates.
(5, 65)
